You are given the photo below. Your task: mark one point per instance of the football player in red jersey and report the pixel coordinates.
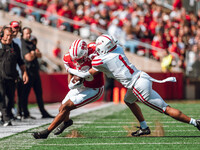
(81, 92)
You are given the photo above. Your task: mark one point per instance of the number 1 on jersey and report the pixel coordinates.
(130, 69)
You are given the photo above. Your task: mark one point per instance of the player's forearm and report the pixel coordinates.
(81, 74)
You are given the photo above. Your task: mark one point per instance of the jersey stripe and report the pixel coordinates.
(96, 60)
(124, 62)
(76, 47)
(141, 99)
(106, 37)
(112, 48)
(65, 58)
(91, 99)
(97, 64)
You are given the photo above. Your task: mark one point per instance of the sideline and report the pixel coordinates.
(20, 126)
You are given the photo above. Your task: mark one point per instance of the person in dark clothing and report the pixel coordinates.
(16, 27)
(10, 56)
(109, 85)
(30, 54)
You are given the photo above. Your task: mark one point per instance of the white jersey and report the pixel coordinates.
(115, 65)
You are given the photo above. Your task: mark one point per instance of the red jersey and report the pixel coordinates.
(98, 80)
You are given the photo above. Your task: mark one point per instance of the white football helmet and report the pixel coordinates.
(104, 44)
(78, 51)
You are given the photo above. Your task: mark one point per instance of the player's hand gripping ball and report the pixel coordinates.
(76, 79)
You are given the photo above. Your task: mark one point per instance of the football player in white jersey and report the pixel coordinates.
(81, 92)
(113, 62)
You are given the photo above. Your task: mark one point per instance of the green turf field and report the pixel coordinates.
(110, 129)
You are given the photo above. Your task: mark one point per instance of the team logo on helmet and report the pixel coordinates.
(105, 43)
(78, 51)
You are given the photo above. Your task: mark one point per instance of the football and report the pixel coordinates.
(76, 79)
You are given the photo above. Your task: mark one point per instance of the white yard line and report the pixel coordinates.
(118, 131)
(107, 144)
(128, 122)
(120, 126)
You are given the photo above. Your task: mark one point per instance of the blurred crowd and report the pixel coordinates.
(176, 31)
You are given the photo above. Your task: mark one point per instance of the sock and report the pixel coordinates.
(193, 122)
(68, 123)
(143, 125)
(45, 132)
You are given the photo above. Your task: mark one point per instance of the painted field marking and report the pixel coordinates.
(129, 122)
(91, 144)
(98, 127)
(126, 131)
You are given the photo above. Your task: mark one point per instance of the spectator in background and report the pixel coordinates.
(28, 10)
(157, 42)
(104, 18)
(78, 18)
(177, 4)
(57, 50)
(166, 61)
(116, 31)
(65, 11)
(51, 13)
(174, 47)
(30, 54)
(4, 5)
(40, 4)
(129, 37)
(15, 9)
(16, 27)
(191, 59)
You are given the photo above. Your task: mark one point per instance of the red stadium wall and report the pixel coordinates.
(168, 90)
(55, 87)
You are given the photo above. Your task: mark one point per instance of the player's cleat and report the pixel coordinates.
(29, 117)
(141, 131)
(1, 122)
(47, 116)
(41, 135)
(62, 127)
(198, 124)
(7, 123)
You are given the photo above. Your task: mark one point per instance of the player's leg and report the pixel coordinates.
(130, 100)
(172, 112)
(143, 90)
(66, 121)
(177, 114)
(74, 99)
(136, 111)
(80, 99)
(64, 111)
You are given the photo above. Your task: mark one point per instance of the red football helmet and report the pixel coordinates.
(78, 51)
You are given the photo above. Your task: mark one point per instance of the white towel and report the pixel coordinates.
(169, 79)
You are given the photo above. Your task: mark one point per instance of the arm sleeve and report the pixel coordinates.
(66, 66)
(97, 64)
(19, 58)
(81, 74)
(25, 49)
